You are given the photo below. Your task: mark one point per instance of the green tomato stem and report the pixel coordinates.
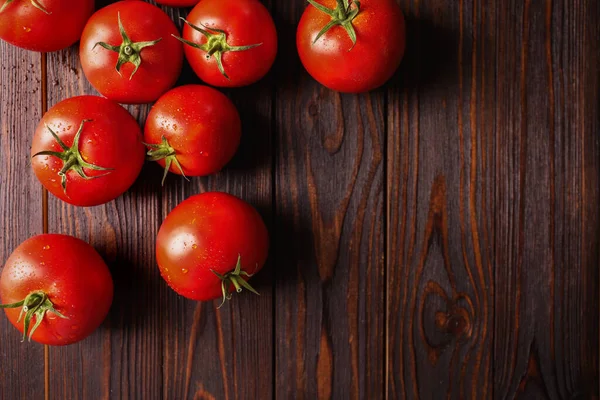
(71, 157)
(236, 279)
(36, 304)
(216, 44)
(164, 151)
(129, 51)
(343, 15)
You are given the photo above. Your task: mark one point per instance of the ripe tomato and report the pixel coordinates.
(210, 244)
(193, 130)
(55, 289)
(351, 47)
(43, 25)
(230, 43)
(129, 53)
(87, 150)
(178, 3)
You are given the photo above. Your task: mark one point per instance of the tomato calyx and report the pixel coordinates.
(164, 151)
(236, 279)
(216, 44)
(35, 304)
(342, 15)
(34, 3)
(71, 157)
(129, 51)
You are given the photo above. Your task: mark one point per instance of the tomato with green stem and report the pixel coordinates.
(192, 130)
(230, 43)
(87, 150)
(129, 54)
(43, 25)
(210, 245)
(55, 289)
(351, 46)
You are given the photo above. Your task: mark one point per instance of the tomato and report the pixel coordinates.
(230, 43)
(210, 244)
(55, 289)
(178, 3)
(87, 150)
(193, 130)
(43, 25)
(129, 53)
(351, 47)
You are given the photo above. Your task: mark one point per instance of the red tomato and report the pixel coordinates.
(210, 244)
(43, 25)
(330, 54)
(129, 53)
(230, 43)
(65, 285)
(87, 150)
(193, 130)
(178, 3)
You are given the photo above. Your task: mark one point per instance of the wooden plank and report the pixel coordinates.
(547, 179)
(441, 204)
(504, 203)
(329, 234)
(21, 364)
(156, 344)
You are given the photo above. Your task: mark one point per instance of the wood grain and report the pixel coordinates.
(492, 196)
(329, 319)
(440, 201)
(547, 148)
(21, 364)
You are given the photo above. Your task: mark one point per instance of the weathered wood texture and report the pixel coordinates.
(329, 318)
(21, 364)
(493, 163)
(437, 238)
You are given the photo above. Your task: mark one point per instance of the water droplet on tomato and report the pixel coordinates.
(184, 270)
(42, 263)
(194, 246)
(27, 29)
(46, 247)
(51, 315)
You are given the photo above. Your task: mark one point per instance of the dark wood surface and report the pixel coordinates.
(436, 238)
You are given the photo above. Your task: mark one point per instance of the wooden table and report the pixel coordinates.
(435, 238)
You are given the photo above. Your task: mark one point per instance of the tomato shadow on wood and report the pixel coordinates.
(431, 58)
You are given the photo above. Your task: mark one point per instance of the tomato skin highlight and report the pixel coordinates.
(336, 64)
(205, 233)
(178, 3)
(161, 63)
(200, 123)
(23, 25)
(72, 274)
(112, 139)
(246, 22)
